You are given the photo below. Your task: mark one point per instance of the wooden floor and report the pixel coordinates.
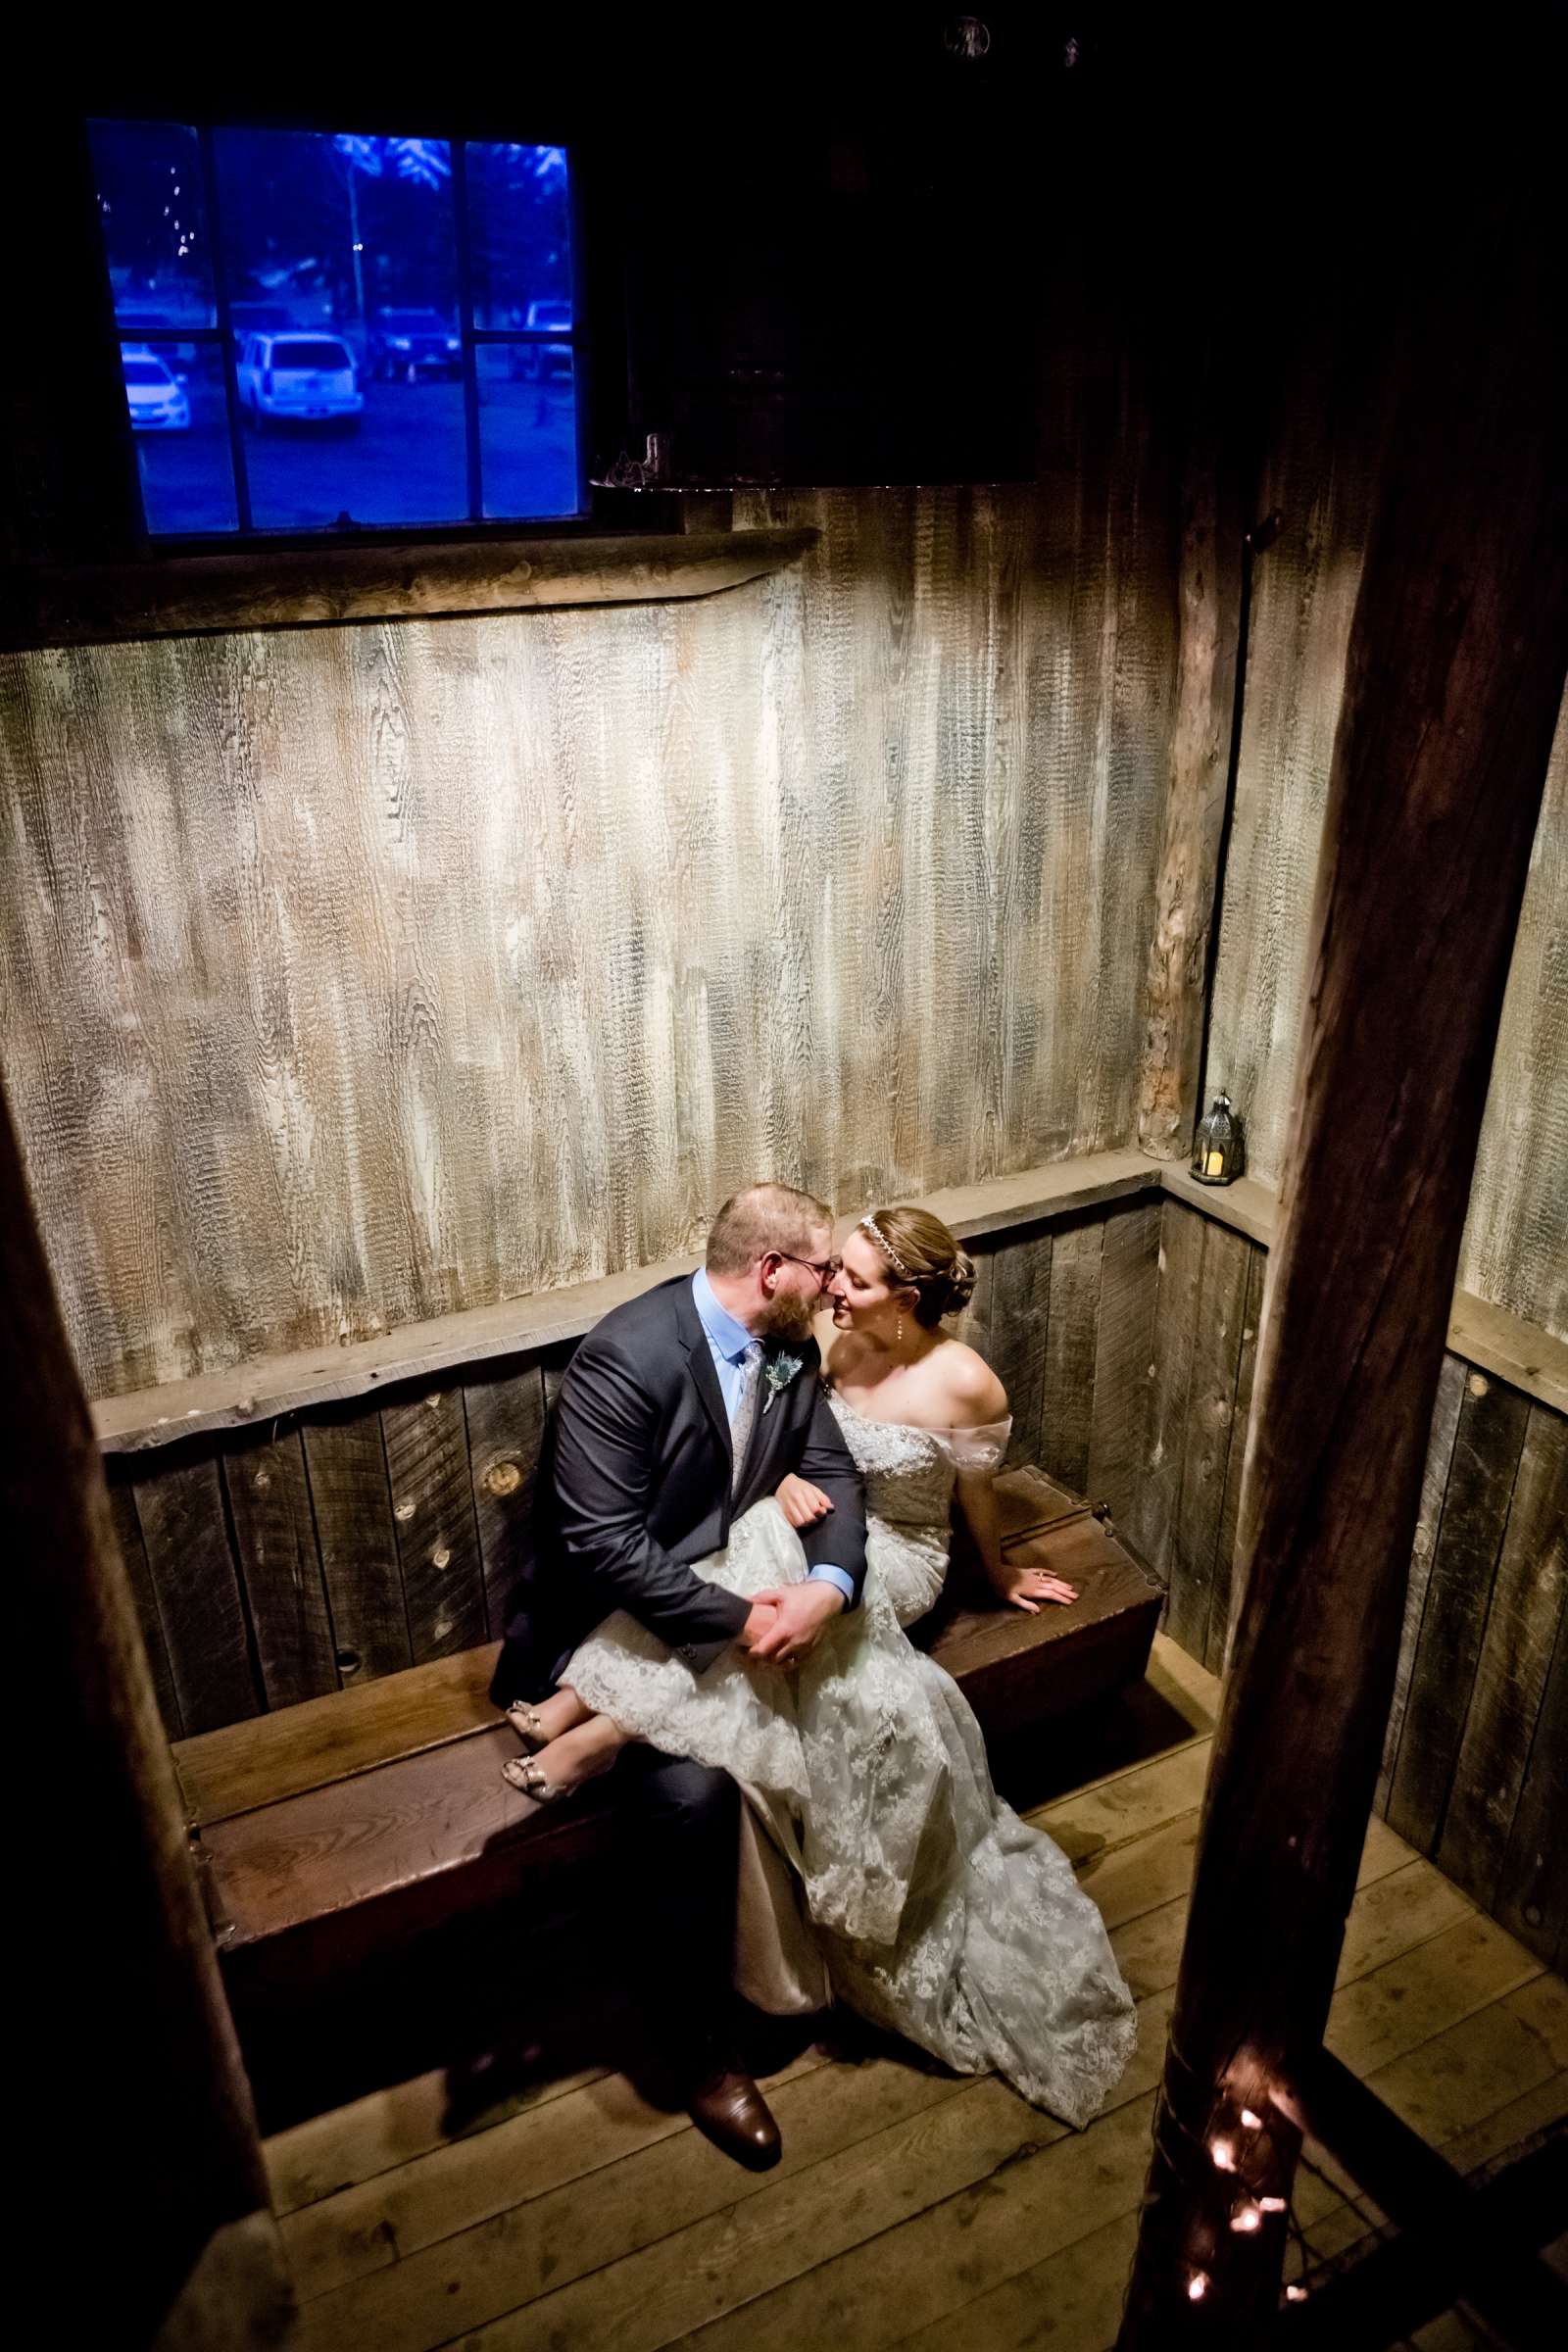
(911, 2208)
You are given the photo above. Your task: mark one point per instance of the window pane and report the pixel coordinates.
(528, 429)
(149, 186)
(342, 263)
(522, 235)
(180, 423)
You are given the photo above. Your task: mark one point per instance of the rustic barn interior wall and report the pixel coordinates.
(350, 976)
(1322, 465)
(1475, 1768)
(282, 1561)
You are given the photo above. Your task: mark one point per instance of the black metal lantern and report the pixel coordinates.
(1219, 1155)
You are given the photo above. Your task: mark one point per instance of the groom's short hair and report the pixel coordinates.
(764, 1217)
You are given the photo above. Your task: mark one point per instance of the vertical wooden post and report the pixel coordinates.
(146, 2201)
(1453, 681)
(1209, 589)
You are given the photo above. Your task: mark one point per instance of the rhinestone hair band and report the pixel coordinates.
(869, 1225)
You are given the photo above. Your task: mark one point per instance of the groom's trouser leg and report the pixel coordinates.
(681, 1824)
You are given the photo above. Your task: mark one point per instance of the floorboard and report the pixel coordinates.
(912, 2209)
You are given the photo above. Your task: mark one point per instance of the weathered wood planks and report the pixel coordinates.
(133, 1551)
(405, 965)
(193, 1571)
(1322, 466)
(585, 2208)
(1222, 1602)
(1480, 1752)
(1475, 1516)
(1207, 1435)
(280, 1567)
(504, 1420)
(1525, 1612)
(1129, 1283)
(1072, 1333)
(1533, 1892)
(1020, 1309)
(1181, 1263)
(345, 1455)
(432, 1508)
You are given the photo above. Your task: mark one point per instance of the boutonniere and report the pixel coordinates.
(778, 1372)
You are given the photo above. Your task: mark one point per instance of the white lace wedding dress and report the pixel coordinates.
(938, 1912)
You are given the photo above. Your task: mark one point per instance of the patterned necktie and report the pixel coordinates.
(744, 1418)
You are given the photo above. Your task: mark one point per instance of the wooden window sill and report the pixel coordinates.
(327, 584)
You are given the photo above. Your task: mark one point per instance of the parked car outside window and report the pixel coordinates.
(410, 343)
(306, 284)
(153, 394)
(298, 378)
(536, 362)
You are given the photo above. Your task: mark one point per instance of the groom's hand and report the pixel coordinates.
(761, 1620)
(799, 1612)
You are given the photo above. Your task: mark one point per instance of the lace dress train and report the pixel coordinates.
(940, 1914)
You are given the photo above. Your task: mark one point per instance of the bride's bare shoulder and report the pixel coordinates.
(972, 1394)
(839, 1348)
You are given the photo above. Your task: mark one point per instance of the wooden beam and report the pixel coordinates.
(328, 583)
(1211, 597)
(125, 2029)
(1453, 681)
(1454, 2241)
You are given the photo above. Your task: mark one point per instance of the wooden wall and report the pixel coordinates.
(350, 976)
(334, 1545)
(1475, 1769)
(1323, 455)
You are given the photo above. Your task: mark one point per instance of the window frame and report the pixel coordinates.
(476, 524)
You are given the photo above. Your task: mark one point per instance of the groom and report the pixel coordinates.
(679, 1410)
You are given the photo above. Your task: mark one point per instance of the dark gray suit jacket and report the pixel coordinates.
(634, 1483)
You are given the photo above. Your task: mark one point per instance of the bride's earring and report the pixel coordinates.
(899, 1342)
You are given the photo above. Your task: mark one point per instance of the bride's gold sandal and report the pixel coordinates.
(524, 1774)
(526, 1722)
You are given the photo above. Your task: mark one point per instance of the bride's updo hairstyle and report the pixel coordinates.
(923, 1253)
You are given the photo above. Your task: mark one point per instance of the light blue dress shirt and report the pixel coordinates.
(728, 1343)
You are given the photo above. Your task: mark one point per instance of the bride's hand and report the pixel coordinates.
(1027, 1588)
(801, 1503)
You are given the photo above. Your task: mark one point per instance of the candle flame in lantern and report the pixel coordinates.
(1271, 2204)
(1224, 2155)
(1197, 2287)
(1253, 2123)
(1245, 2217)
(1296, 2294)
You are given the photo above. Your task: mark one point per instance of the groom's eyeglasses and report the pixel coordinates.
(824, 1268)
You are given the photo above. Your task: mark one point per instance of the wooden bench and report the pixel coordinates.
(325, 1831)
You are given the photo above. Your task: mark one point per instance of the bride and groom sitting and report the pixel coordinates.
(732, 1536)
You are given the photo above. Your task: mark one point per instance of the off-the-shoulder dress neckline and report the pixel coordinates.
(921, 1429)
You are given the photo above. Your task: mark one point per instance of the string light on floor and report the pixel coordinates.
(1238, 2143)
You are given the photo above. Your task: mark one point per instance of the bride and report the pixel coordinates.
(937, 1912)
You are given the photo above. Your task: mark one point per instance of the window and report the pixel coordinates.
(322, 331)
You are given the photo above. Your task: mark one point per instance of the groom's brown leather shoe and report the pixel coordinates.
(729, 2110)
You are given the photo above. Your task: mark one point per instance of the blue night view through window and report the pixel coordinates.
(323, 331)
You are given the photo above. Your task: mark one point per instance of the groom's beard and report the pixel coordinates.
(787, 1317)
